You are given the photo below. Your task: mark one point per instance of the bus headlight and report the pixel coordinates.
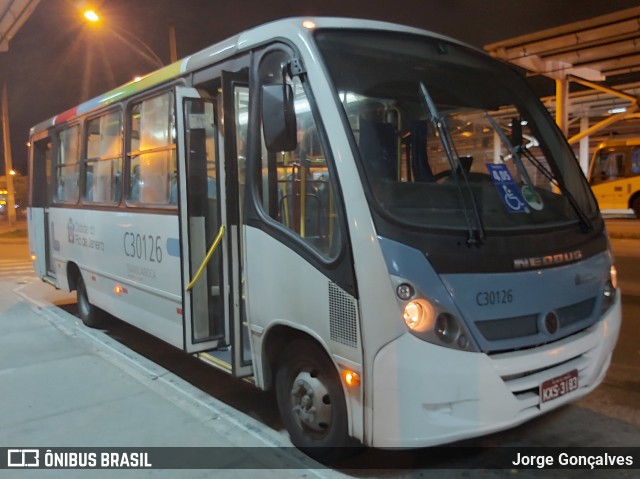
(419, 315)
(434, 324)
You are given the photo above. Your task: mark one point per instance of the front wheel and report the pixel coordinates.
(311, 402)
(89, 314)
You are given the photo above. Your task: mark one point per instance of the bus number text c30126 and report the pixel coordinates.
(144, 247)
(493, 298)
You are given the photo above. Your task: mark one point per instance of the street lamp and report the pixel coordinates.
(92, 17)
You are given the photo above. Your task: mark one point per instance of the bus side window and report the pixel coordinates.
(68, 165)
(635, 161)
(297, 187)
(104, 159)
(152, 152)
(609, 166)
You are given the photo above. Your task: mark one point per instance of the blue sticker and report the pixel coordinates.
(173, 247)
(507, 188)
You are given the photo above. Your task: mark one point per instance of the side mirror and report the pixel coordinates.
(516, 132)
(279, 118)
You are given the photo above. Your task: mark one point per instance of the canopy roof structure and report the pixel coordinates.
(601, 54)
(13, 14)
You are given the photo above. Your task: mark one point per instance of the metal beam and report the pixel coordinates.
(604, 123)
(562, 105)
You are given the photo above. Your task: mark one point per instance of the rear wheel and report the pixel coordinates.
(312, 403)
(89, 314)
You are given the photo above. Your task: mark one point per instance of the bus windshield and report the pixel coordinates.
(450, 138)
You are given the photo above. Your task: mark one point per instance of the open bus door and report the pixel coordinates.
(40, 243)
(210, 219)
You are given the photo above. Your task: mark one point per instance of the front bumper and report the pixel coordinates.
(425, 395)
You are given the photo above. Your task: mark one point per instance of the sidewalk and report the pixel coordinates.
(19, 235)
(65, 385)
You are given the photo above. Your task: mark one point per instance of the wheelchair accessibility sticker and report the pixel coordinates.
(507, 188)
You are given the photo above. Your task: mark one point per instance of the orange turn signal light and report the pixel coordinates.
(351, 378)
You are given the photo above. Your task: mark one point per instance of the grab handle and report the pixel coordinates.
(207, 258)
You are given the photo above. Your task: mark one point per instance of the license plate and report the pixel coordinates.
(559, 386)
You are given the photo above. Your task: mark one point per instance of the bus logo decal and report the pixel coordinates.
(550, 260)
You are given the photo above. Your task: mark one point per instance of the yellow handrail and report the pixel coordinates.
(207, 258)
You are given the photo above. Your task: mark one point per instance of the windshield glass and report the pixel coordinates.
(450, 138)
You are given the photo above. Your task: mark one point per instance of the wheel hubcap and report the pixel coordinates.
(311, 402)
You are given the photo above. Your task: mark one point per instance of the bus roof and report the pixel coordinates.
(290, 28)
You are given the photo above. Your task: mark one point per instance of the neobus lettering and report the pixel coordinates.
(551, 260)
(146, 247)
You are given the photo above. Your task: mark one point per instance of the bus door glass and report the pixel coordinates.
(201, 223)
(40, 176)
(235, 98)
(211, 211)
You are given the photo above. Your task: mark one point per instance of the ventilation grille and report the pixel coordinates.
(343, 321)
(527, 326)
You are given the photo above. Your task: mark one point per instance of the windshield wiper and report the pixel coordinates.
(475, 236)
(516, 150)
(585, 222)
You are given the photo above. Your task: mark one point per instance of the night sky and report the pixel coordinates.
(58, 60)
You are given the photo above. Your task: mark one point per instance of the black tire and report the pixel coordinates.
(311, 402)
(635, 206)
(90, 315)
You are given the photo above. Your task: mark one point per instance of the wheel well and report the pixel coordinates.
(73, 273)
(275, 344)
(633, 197)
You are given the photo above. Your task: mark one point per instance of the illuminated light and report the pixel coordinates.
(91, 15)
(419, 315)
(351, 378)
(412, 315)
(137, 78)
(613, 272)
(33, 257)
(12, 172)
(309, 24)
(118, 289)
(613, 111)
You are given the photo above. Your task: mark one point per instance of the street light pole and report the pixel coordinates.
(8, 163)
